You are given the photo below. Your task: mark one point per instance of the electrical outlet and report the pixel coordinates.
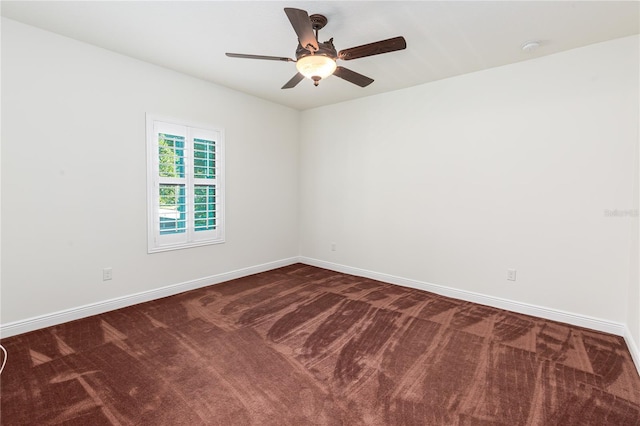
(333, 246)
(511, 274)
(107, 274)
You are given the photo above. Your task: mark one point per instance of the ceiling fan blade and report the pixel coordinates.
(302, 26)
(294, 81)
(269, 58)
(382, 46)
(352, 77)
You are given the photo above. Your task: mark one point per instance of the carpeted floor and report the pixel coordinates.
(306, 346)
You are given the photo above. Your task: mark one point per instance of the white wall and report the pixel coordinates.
(455, 181)
(74, 184)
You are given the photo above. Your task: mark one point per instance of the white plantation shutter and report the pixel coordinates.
(185, 194)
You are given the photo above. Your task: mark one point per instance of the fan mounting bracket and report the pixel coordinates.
(318, 21)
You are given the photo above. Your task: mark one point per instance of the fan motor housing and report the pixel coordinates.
(325, 49)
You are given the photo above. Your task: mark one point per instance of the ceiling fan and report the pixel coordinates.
(315, 60)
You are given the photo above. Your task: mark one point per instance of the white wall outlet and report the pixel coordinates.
(107, 274)
(511, 274)
(333, 246)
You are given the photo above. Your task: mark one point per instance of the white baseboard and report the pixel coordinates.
(633, 348)
(55, 318)
(611, 327)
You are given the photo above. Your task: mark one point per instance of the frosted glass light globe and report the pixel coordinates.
(316, 66)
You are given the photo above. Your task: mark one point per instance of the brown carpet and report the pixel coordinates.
(306, 346)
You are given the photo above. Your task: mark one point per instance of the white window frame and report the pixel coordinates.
(190, 238)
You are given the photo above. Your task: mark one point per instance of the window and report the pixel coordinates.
(185, 191)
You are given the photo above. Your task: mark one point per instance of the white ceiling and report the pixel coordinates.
(444, 38)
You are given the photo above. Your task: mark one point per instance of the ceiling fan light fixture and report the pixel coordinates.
(316, 66)
(315, 60)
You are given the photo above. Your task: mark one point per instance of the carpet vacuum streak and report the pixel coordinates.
(301, 345)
